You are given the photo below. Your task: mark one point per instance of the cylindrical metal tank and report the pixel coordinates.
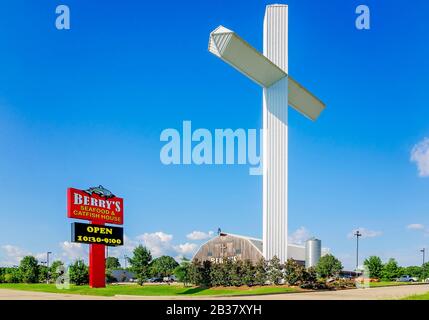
(313, 251)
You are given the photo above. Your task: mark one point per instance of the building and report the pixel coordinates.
(123, 275)
(235, 247)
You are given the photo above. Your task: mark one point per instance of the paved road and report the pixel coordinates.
(395, 292)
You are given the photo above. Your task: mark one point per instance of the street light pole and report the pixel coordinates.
(423, 251)
(357, 234)
(125, 261)
(47, 266)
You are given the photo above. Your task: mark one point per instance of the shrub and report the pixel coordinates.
(294, 273)
(200, 273)
(12, 275)
(261, 272)
(275, 271)
(79, 273)
(249, 271)
(235, 272)
(219, 275)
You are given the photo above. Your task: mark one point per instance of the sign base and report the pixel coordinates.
(97, 266)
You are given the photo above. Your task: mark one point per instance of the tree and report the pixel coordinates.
(374, 265)
(261, 272)
(163, 266)
(415, 271)
(79, 273)
(200, 273)
(29, 269)
(112, 263)
(328, 266)
(236, 272)
(248, 273)
(293, 272)
(275, 271)
(219, 275)
(43, 273)
(12, 275)
(56, 269)
(140, 263)
(424, 274)
(182, 271)
(390, 270)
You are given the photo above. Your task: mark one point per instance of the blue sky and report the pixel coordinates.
(86, 106)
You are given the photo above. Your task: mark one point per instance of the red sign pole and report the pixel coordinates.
(97, 266)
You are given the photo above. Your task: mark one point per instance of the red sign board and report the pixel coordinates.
(95, 204)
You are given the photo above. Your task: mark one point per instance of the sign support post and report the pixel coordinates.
(97, 266)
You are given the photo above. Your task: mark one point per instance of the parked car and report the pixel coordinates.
(407, 278)
(155, 279)
(169, 279)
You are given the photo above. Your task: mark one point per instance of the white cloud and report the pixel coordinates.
(12, 255)
(159, 243)
(325, 251)
(420, 155)
(299, 236)
(186, 249)
(199, 235)
(365, 233)
(73, 251)
(125, 250)
(416, 226)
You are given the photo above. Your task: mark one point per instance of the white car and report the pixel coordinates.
(407, 278)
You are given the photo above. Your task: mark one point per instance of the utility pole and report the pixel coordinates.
(125, 261)
(423, 251)
(357, 234)
(47, 266)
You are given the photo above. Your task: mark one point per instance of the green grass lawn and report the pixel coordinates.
(424, 296)
(149, 290)
(388, 283)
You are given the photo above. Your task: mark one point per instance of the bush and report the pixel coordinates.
(249, 271)
(200, 273)
(109, 277)
(12, 275)
(219, 275)
(79, 273)
(294, 273)
(275, 271)
(261, 272)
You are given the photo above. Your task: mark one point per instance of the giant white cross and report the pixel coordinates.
(270, 70)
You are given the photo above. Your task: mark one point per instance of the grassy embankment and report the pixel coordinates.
(149, 290)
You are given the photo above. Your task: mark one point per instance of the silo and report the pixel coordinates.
(313, 251)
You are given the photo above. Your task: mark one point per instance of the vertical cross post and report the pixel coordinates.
(275, 144)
